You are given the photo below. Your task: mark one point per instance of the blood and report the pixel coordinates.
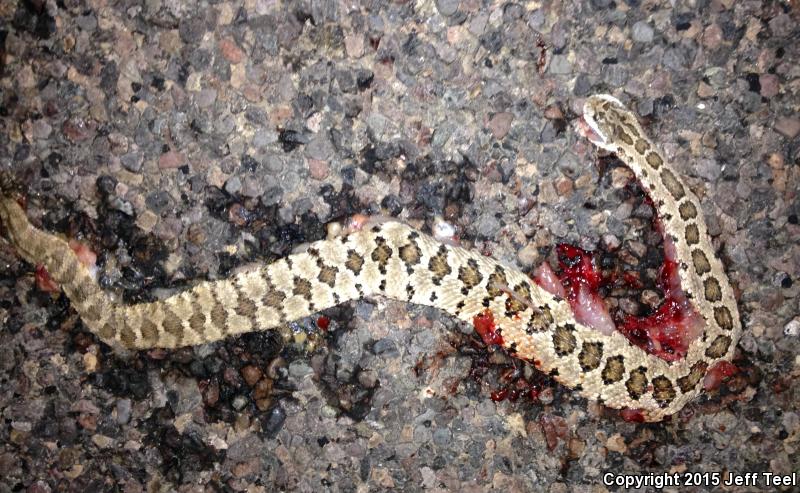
(717, 373)
(577, 268)
(666, 333)
(44, 282)
(632, 415)
(631, 279)
(582, 281)
(85, 254)
(499, 395)
(534, 390)
(514, 385)
(486, 328)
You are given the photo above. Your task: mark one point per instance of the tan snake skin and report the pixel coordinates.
(398, 262)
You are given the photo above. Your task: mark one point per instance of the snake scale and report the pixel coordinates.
(393, 260)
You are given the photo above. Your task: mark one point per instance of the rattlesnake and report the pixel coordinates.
(393, 260)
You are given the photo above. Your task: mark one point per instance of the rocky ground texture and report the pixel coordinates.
(182, 140)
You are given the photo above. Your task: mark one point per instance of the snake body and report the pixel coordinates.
(396, 261)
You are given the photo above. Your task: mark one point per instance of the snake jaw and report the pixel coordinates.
(587, 127)
(595, 125)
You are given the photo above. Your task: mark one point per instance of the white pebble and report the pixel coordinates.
(334, 230)
(792, 328)
(443, 231)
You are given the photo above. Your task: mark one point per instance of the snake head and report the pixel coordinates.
(603, 114)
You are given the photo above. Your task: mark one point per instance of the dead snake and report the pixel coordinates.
(395, 261)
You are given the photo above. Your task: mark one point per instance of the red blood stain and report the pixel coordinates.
(534, 390)
(632, 415)
(582, 281)
(632, 280)
(44, 282)
(499, 395)
(516, 386)
(666, 333)
(577, 267)
(323, 322)
(85, 254)
(717, 373)
(485, 327)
